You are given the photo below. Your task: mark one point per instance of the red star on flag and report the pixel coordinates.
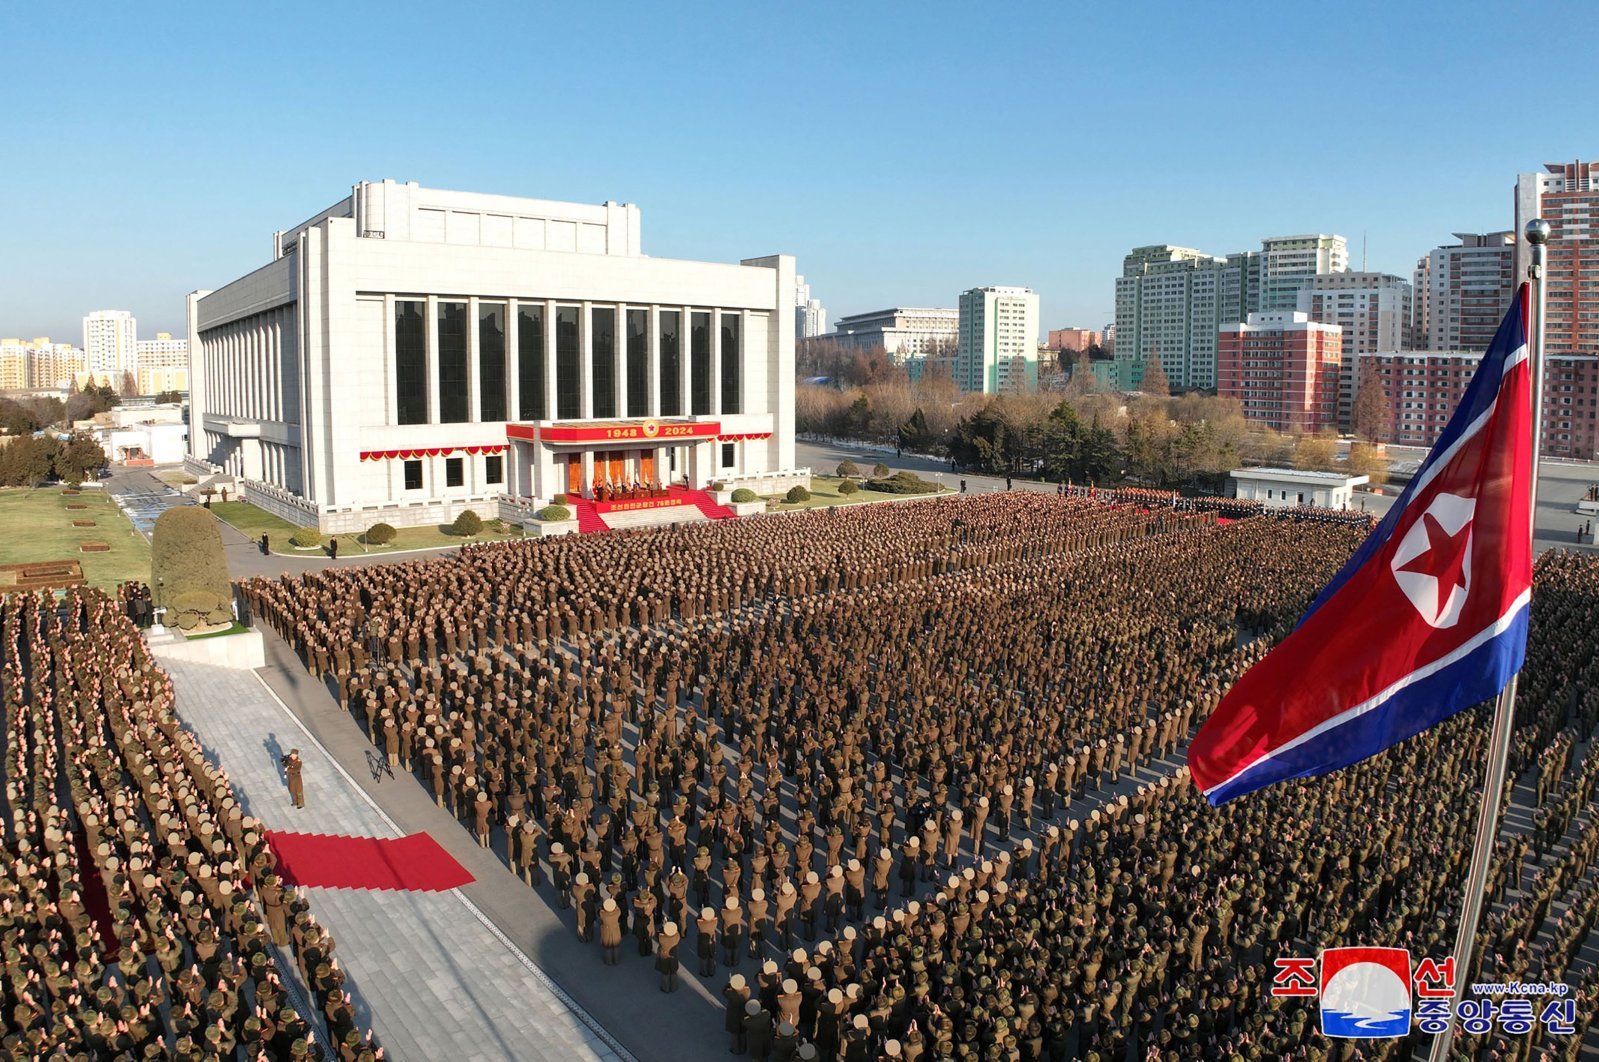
(1444, 559)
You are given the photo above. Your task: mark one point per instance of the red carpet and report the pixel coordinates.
(95, 900)
(708, 506)
(410, 864)
(588, 518)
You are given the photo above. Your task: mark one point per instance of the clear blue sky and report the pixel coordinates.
(902, 151)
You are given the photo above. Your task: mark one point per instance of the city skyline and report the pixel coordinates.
(1018, 167)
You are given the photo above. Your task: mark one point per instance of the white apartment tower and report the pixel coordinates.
(110, 344)
(1463, 290)
(1373, 309)
(997, 350)
(1287, 264)
(810, 318)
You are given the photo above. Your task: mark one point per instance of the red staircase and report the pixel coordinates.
(588, 519)
(707, 505)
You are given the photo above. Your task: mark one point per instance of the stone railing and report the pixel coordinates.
(768, 482)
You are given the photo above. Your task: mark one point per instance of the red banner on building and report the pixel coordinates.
(616, 431)
(431, 451)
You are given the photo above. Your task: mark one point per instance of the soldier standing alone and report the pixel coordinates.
(291, 769)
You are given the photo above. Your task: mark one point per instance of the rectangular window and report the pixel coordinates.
(671, 363)
(494, 469)
(410, 363)
(413, 475)
(491, 360)
(568, 365)
(699, 369)
(454, 407)
(728, 458)
(602, 338)
(638, 363)
(530, 361)
(732, 363)
(454, 471)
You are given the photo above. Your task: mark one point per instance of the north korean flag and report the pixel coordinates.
(1428, 617)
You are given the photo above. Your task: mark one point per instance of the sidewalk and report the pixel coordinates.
(427, 970)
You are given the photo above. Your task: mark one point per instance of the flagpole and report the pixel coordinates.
(1505, 708)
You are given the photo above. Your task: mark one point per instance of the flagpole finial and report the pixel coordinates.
(1538, 231)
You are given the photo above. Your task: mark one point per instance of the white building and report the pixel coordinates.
(1373, 309)
(1281, 488)
(110, 345)
(810, 317)
(409, 353)
(1287, 264)
(1169, 303)
(902, 332)
(1463, 291)
(163, 364)
(998, 345)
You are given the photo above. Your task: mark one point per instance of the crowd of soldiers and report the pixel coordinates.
(905, 776)
(140, 914)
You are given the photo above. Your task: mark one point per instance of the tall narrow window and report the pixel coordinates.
(732, 363)
(568, 365)
(491, 360)
(530, 361)
(453, 404)
(410, 363)
(671, 363)
(638, 363)
(699, 369)
(602, 336)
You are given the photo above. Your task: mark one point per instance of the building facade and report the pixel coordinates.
(998, 343)
(1287, 264)
(1463, 290)
(1423, 388)
(1284, 488)
(1567, 196)
(409, 352)
(163, 364)
(1373, 309)
(1072, 339)
(110, 345)
(41, 365)
(810, 317)
(901, 332)
(1283, 368)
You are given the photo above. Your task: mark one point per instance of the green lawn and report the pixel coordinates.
(36, 525)
(824, 492)
(252, 521)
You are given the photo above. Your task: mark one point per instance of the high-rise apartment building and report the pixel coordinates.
(110, 341)
(15, 365)
(1463, 291)
(998, 346)
(1286, 265)
(1373, 309)
(1284, 368)
(40, 365)
(810, 318)
(1566, 196)
(1169, 302)
(163, 364)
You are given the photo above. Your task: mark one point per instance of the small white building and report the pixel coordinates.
(1281, 488)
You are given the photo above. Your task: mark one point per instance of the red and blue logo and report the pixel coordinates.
(1365, 993)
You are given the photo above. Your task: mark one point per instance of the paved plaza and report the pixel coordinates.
(431, 975)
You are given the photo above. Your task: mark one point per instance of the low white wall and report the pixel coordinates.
(769, 482)
(243, 651)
